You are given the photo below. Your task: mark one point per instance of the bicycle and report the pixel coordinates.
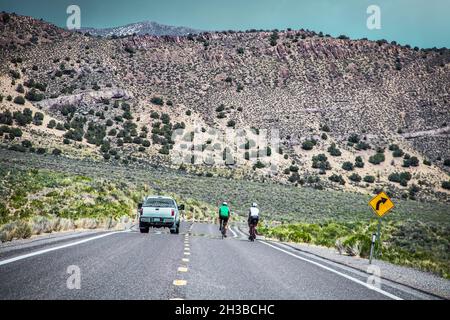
(223, 229)
(252, 236)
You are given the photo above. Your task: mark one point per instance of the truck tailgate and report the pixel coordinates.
(157, 212)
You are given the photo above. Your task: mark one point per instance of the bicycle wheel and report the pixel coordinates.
(252, 233)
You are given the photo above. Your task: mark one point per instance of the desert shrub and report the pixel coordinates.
(4, 213)
(398, 153)
(33, 95)
(231, 123)
(76, 135)
(411, 162)
(20, 89)
(154, 115)
(447, 162)
(137, 140)
(321, 162)
(6, 118)
(56, 152)
(393, 147)
(357, 244)
(308, 145)
(325, 128)
(377, 158)
(353, 138)
(41, 225)
(294, 177)
(15, 230)
(19, 100)
(369, 179)
(145, 143)
(273, 38)
(412, 191)
(51, 124)
(401, 178)
(220, 108)
(164, 150)
(38, 118)
(333, 150)
(157, 100)
(14, 74)
(15, 132)
(165, 118)
(221, 115)
(359, 163)
(446, 185)
(67, 110)
(95, 133)
(259, 165)
(361, 145)
(355, 177)
(337, 178)
(127, 115)
(26, 143)
(348, 166)
(23, 118)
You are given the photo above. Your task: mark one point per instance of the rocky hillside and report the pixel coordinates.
(356, 115)
(141, 28)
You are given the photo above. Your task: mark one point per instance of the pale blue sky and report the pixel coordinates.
(415, 22)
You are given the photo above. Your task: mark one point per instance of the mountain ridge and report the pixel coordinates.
(363, 98)
(141, 28)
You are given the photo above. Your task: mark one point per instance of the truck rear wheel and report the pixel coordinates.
(176, 230)
(144, 230)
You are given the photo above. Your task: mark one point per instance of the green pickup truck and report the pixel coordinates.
(159, 212)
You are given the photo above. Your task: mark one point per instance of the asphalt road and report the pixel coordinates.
(196, 264)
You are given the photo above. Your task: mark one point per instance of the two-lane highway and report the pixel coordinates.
(196, 264)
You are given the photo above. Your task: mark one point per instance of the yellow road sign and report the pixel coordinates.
(381, 204)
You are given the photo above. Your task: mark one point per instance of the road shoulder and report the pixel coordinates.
(409, 277)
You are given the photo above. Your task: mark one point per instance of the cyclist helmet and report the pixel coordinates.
(224, 203)
(254, 204)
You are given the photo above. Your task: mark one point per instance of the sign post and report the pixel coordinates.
(374, 238)
(381, 204)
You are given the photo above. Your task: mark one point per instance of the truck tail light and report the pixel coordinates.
(141, 210)
(173, 212)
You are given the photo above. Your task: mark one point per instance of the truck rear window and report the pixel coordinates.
(159, 203)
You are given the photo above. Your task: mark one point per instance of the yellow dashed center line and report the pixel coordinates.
(179, 282)
(185, 260)
(182, 269)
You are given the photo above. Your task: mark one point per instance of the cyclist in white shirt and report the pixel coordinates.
(253, 218)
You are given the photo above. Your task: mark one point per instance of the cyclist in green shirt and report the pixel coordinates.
(224, 215)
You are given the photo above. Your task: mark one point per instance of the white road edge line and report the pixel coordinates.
(234, 233)
(242, 234)
(390, 295)
(39, 252)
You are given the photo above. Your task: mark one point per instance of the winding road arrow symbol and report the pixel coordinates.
(381, 201)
